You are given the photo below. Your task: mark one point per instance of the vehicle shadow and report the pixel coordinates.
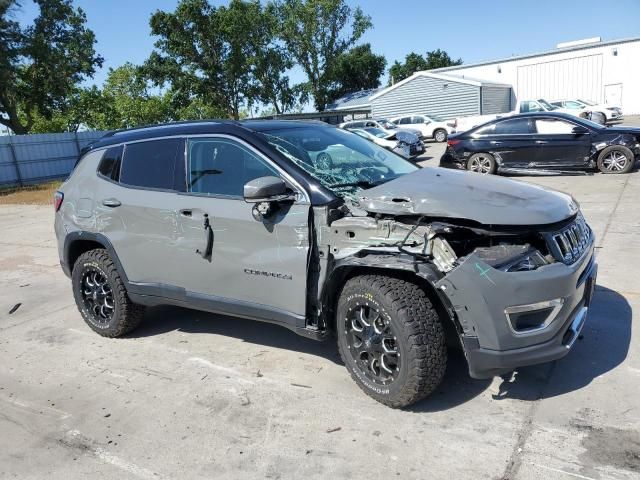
(163, 319)
(603, 346)
(456, 388)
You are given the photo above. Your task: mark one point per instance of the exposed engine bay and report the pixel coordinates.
(443, 242)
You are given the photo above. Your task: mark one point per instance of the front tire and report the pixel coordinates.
(390, 339)
(616, 159)
(101, 296)
(483, 163)
(440, 135)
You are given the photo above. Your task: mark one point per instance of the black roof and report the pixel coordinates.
(199, 127)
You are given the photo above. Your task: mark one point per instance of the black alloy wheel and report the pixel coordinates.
(372, 344)
(97, 296)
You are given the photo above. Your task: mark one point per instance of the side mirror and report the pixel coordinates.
(265, 189)
(266, 193)
(578, 130)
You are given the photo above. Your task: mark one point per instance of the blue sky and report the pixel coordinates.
(471, 29)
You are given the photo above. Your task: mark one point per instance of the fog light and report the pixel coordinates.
(526, 319)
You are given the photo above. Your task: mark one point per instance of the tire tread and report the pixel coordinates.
(131, 314)
(425, 333)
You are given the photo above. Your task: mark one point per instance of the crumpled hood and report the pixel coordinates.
(487, 199)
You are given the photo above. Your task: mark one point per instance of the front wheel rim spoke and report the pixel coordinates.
(372, 344)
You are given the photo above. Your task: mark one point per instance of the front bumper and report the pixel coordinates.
(479, 295)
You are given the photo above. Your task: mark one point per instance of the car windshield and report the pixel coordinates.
(376, 132)
(387, 124)
(341, 161)
(586, 102)
(547, 105)
(434, 118)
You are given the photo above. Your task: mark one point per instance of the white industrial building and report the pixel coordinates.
(604, 72)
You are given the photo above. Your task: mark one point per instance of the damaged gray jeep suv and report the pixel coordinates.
(323, 232)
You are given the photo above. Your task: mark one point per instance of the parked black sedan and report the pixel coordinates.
(543, 141)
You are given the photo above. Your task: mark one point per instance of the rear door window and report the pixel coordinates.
(515, 126)
(110, 164)
(151, 164)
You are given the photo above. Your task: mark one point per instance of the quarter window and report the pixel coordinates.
(219, 166)
(110, 164)
(150, 164)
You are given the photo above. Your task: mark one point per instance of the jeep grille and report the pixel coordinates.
(568, 244)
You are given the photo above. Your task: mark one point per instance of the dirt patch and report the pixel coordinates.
(611, 446)
(31, 195)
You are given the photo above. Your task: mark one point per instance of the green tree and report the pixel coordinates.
(41, 64)
(270, 62)
(126, 92)
(205, 52)
(84, 106)
(414, 62)
(357, 69)
(440, 59)
(317, 32)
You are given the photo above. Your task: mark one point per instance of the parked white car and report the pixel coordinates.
(381, 123)
(429, 126)
(610, 112)
(408, 145)
(462, 124)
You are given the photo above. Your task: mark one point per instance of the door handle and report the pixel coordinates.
(541, 142)
(208, 250)
(111, 202)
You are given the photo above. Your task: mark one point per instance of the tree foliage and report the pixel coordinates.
(317, 33)
(42, 64)
(357, 69)
(414, 62)
(224, 56)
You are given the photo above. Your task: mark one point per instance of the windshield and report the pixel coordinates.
(376, 132)
(547, 105)
(386, 124)
(341, 161)
(586, 102)
(434, 118)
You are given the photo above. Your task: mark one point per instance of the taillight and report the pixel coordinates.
(57, 200)
(452, 143)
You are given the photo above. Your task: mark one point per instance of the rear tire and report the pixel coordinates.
(440, 135)
(101, 296)
(616, 159)
(391, 339)
(483, 163)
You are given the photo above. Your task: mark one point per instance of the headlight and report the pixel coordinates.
(530, 261)
(512, 258)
